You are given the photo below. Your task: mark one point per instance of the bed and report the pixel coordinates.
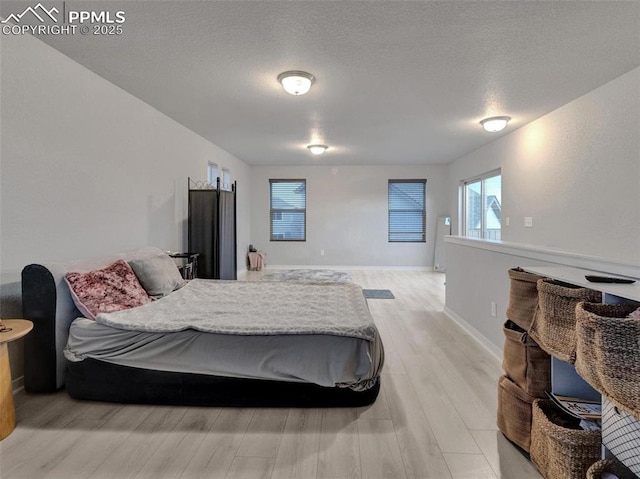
(266, 344)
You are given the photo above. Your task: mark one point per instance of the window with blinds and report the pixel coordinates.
(288, 210)
(407, 216)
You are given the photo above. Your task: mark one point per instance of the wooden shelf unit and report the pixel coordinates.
(564, 378)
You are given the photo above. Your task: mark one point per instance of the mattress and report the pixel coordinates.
(323, 359)
(322, 334)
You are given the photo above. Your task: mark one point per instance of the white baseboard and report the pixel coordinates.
(341, 267)
(477, 335)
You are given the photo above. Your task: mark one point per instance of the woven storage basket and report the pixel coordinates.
(525, 362)
(523, 297)
(554, 324)
(608, 352)
(560, 452)
(514, 413)
(609, 465)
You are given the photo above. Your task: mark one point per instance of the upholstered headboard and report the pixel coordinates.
(47, 302)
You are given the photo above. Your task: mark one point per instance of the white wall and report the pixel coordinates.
(87, 169)
(475, 277)
(347, 216)
(576, 171)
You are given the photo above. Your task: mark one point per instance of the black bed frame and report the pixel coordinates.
(46, 370)
(100, 381)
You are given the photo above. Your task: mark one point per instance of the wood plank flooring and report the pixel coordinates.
(434, 418)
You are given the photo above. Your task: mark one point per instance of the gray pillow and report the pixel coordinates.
(158, 275)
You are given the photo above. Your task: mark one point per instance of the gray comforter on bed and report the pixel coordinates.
(253, 308)
(318, 333)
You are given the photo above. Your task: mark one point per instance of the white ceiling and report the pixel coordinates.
(397, 81)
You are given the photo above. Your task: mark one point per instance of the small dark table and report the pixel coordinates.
(189, 269)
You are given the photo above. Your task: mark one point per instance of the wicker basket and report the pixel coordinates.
(523, 297)
(525, 362)
(559, 451)
(554, 324)
(608, 352)
(514, 413)
(609, 465)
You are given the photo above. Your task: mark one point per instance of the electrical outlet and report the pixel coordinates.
(528, 222)
(494, 309)
(507, 221)
(321, 252)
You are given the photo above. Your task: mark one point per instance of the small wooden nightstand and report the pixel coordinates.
(13, 329)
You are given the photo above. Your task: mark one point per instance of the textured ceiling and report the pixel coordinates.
(397, 82)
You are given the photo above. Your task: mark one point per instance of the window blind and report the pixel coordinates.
(288, 210)
(407, 217)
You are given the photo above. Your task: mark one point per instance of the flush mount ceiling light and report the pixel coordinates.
(495, 123)
(296, 82)
(317, 149)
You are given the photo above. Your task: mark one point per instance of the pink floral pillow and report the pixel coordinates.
(106, 290)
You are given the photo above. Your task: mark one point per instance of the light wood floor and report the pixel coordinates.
(434, 418)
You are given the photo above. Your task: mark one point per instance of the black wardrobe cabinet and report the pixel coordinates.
(212, 229)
